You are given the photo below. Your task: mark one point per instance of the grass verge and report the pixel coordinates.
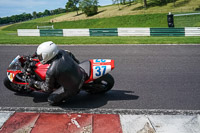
(113, 22)
(146, 20)
(8, 37)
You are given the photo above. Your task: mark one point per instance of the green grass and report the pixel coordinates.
(147, 20)
(10, 37)
(44, 19)
(187, 21)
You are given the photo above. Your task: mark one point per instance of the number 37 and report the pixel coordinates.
(99, 70)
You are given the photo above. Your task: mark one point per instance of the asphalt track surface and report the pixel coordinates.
(146, 77)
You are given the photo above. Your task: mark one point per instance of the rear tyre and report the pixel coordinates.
(100, 85)
(15, 87)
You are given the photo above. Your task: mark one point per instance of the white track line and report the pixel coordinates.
(78, 45)
(160, 124)
(4, 116)
(103, 111)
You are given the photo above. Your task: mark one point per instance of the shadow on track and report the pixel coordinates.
(37, 96)
(85, 100)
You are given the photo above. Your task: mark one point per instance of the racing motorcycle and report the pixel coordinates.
(23, 68)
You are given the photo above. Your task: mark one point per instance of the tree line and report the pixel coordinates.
(90, 7)
(146, 3)
(28, 16)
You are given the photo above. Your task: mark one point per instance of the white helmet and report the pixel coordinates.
(46, 51)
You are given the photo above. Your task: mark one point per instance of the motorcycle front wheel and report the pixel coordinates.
(100, 85)
(15, 87)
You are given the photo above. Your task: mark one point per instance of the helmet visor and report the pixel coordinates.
(40, 57)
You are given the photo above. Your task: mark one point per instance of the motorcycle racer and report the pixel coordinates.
(64, 77)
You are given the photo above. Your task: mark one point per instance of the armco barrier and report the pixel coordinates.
(104, 32)
(167, 31)
(188, 31)
(54, 32)
(192, 31)
(28, 32)
(133, 31)
(76, 32)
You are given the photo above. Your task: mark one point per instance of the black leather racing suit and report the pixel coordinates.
(64, 77)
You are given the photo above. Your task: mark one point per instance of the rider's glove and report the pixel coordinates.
(41, 86)
(35, 84)
(34, 55)
(38, 85)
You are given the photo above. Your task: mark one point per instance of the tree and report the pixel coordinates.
(34, 14)
(27, 16)
(123, 2)
(47, 13)
(75, 5)
(39, 14)
(71, 5)
(145, 3)
(130, 2)
(89, 7)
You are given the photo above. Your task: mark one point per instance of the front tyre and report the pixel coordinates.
(100, 85)
(15, 87)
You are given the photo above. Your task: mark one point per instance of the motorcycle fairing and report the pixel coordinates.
(12, 76)
(14, 69)
(100, 67)
(41, 70)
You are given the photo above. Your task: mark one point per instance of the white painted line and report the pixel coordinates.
(75, 122)
(160, 123)
(144, 123)
(102, 111)
(4, 116)
(96, 45)
(176, 123)
(135, 124)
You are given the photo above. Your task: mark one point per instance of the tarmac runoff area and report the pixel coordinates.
(66, 122)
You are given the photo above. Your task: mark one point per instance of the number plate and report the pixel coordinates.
(101, 70)
(101, 67)
(101, 60)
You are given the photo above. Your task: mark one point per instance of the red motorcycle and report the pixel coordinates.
(23, 68)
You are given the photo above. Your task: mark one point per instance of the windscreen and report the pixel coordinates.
(15, 64)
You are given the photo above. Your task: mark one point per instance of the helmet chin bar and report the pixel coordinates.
(47, 51)
(42, 62)
(40, 57)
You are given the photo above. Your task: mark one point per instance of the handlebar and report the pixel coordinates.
(28, 65)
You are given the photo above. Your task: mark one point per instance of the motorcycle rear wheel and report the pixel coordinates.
(100, 85)
(14, 87)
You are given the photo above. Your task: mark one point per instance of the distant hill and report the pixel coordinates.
(111, 16)
(133, 9)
